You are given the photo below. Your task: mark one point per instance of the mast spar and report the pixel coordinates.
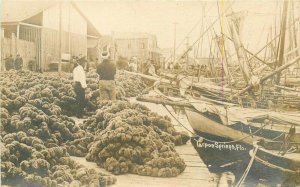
(282, 39)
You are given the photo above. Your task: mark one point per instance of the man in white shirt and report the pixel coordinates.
(79, 79)
(133, 67)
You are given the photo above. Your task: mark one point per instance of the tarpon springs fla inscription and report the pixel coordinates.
(221, 146)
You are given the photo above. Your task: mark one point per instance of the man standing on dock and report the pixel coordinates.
(79, 79)
(107, 71)
(133, 64)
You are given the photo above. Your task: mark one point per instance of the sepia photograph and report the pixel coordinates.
(150, 93)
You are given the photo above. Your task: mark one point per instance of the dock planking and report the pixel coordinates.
(195, 174)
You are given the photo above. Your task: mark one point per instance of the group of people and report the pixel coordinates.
(148, 67)
(11, 63)
(106, 71)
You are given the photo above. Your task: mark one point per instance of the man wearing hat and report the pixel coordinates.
(81, 59)
(79, 79)
(107, 71)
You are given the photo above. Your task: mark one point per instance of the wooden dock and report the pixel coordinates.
(196, 173)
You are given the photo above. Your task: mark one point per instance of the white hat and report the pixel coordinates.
(105, 55)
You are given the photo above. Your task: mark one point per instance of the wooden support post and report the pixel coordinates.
(2, 63)
(41, 50)
(60, 39)
(69, 29)
(17, 39)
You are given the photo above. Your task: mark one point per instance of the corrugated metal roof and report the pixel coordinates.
(19, 10)
(16, 10)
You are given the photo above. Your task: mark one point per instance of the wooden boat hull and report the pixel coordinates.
(204, 124)
(221, 157)
(276, 166)
(217, 156)
(233, 155)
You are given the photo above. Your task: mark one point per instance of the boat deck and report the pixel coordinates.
(196, 173)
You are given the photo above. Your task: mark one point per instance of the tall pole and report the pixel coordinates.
(17, 39)
(294, 28)
(69, 29)
(174, 47)
(240, 50)
(200, 43)
(282, 38)
(59, 38)
(187, 54)
(1, 49)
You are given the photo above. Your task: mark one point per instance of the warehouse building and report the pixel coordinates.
(39, 31)
(140, 45)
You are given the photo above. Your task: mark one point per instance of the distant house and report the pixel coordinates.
(31, 28)
(139, 45)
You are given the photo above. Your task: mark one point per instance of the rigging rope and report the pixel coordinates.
(207, 29)
(242, 179)
(185, 37)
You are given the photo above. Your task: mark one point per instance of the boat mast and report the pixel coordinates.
(187, 54)
(241, 53)
(200, 43)
(293, 30)
(221, 45)
(282, 39)
(174, 47)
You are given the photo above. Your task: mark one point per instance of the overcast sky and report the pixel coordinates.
(157, 17)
